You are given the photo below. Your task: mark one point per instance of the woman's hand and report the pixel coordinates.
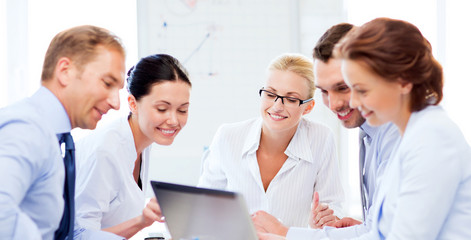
(266, 223)
(151, 213)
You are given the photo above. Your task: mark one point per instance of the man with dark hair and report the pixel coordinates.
(376, 144)
(324, 48)
(336, 96)
(82, 73)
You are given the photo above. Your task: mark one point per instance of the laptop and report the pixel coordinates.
(193, 213)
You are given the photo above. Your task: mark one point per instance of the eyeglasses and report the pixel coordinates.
(290, 101)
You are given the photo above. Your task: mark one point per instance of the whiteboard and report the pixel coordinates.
(226, 46)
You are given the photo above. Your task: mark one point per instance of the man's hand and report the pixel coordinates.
(321, 215)
(346, 222)
(266, 223)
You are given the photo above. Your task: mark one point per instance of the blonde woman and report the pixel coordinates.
(278, 161)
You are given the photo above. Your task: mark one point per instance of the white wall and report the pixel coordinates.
(3, 57)
(29, 26)
(455, 57)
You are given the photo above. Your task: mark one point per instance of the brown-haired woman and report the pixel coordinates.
(425, 192)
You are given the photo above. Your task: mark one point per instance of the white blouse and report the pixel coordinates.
(426, 190)
(106, 193)
(231, 164)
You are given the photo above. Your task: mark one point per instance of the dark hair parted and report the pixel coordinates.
(154, 69)
(325, 45)
(397, 51)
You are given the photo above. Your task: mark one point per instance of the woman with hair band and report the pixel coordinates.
(113, 161)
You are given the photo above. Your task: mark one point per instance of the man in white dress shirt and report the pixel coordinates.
(377, 145)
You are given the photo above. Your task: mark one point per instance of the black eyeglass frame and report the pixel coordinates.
(283, 97)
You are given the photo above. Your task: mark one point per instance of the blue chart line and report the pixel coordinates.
(197, 48)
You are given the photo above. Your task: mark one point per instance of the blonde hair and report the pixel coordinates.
(298, 64)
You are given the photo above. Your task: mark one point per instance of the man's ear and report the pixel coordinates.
(132, 102)
(310, 106)
(63, 71)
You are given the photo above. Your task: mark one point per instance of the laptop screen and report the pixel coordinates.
(205, 214)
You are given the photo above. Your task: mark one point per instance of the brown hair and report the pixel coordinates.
(397, 51)
(325, 45)
(80, 45)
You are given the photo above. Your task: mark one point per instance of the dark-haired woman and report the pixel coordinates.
(113, 162)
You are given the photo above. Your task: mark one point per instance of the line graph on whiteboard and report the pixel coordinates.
(218, 38)
(191, 43)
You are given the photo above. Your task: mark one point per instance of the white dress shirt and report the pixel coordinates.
(106, 192)
(231, 164)
(380, 142)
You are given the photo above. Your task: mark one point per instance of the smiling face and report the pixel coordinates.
(94, 89)
(335, 92)
(379, 100)
(278, 117)
(161, 114)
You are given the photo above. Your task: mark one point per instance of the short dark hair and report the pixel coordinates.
(154, 69)
(397, 51)
(325, 45)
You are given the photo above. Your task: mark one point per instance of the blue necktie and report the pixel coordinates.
(362, 166)
(66, 227)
